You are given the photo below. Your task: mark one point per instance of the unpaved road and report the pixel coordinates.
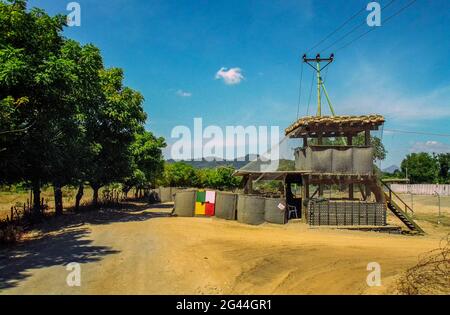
(141, 251)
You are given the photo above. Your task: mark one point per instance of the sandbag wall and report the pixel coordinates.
(226, 205)
(335, 159)
(185, 203)
(275, 210)
(250, 209)
(247, 209)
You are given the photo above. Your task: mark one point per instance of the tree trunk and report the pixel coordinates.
(58, 199)
(37, 198)
(78, 197)
(95, 196)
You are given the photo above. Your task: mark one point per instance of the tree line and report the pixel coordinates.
(426, 168)
(66, 119)
(180, 174)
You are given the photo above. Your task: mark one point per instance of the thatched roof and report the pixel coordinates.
(330, 126)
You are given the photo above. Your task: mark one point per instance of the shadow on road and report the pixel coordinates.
(50, 250)
(65, 239)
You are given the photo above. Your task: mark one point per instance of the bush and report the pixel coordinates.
(10, 234)
(431, 275)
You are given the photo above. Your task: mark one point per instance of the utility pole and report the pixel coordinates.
(315, 64)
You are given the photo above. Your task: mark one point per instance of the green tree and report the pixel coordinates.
(179, 174)
(34, 78)
(443, 160)
(112, 131)
(147, 160)
(420, 167)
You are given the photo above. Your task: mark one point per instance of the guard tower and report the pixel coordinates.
(331, 157)
(343, 164)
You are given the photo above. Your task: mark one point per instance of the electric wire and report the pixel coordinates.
(372, 29)
(336, 30)
(354, 29)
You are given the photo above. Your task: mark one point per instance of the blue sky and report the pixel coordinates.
(171, 52)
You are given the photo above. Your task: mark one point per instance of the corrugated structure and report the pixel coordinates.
(351, 213)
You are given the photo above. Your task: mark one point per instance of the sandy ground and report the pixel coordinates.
(142, 251)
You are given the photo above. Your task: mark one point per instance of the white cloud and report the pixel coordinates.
(430, 146)
(184, 93)
(230, 76)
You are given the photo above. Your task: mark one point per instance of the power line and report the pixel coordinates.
(300, 91)
(336, 30)
(418, 133)
(372, 29)
(354, 29)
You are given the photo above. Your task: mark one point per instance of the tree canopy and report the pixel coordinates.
(64, 117)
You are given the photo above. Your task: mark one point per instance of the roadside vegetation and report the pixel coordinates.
(66, 119)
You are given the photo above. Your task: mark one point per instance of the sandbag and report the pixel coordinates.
(275, 210)
(226, 205)
(185, 203)
(250, 209)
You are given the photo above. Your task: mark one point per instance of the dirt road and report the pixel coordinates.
(142, 251)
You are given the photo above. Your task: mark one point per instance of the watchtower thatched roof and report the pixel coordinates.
(333, 126)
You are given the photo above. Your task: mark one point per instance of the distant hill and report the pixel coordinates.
(391, 169)
(236, 164)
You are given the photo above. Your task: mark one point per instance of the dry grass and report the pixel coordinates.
(9, 199)
(431, 275)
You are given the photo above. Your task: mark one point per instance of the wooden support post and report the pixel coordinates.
(349, 140)
(305, 142)
(320, 142)
(350, 186)
(367, 137)
(305, 198)
(246, 181)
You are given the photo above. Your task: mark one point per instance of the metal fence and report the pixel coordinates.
(421, 189)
